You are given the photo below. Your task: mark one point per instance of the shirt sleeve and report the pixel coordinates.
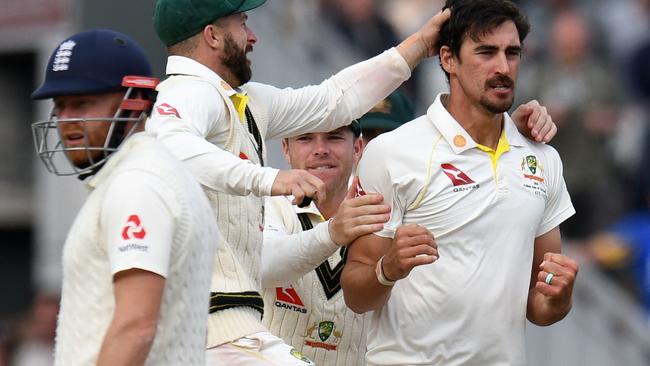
(336, 101)
(185, 115)
(287, 257)
(558, 205)
(375, 177)
(138, 218)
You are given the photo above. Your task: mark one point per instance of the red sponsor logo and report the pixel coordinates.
(243, 156)
(359, 189)
(329, 347)
(288, 295)
(133, 229)
(457, 176)
(167, 110)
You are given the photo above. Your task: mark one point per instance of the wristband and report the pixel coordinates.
(379, 271)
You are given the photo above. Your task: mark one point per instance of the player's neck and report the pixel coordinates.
(482, 125)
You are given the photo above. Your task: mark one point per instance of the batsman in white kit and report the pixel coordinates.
(138, 259)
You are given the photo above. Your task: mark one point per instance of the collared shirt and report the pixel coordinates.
(485, 209)
(303, 302)
(145, 211)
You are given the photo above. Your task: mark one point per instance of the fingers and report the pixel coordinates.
(368, 199)
(303, 184)
(412, 246)
(548, 136)
(559, 259)
(441, 18)
(563, 270)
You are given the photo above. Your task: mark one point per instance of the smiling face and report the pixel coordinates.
(485, 70)
(330, 156)
(78, 136)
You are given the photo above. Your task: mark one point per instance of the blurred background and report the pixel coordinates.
(588, 61)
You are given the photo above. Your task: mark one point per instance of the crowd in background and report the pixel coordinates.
(588, 61)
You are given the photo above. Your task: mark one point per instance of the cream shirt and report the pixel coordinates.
(468, 307)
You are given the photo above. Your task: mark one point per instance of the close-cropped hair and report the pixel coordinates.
(475, 18)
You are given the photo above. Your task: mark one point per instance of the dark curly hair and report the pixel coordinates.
(475, 18)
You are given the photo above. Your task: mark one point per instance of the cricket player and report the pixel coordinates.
(138, 259)
(216, 122)
(305, 247)
(472, 247)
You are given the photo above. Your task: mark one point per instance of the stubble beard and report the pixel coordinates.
(496, 107)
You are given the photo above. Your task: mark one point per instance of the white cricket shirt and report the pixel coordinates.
(304, 303)
(468, 307)
(145, 211)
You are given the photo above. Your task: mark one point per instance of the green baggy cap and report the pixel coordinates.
(178, 20)
(389, 114)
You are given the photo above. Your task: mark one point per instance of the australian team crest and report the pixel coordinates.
(530, 167)
(531, 163)
(325, 330)
(328, 335)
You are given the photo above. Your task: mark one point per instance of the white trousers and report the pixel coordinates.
(259, 349)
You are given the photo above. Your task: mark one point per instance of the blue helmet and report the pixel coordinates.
(93, 62)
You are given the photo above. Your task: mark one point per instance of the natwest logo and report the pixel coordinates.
(287, 297)
(133, 229)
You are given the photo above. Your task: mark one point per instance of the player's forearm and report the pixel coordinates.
(413, 50)
(226, 173)
(287, 258)
(542, 312)
(361, 289)
(218, 169)
(343, 97)
(126, 344)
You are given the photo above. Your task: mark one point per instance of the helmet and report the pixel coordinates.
(93, 62)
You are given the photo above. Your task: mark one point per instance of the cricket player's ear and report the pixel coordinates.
(285, 150)
(446, 59)
(358, 149)
(212, 35)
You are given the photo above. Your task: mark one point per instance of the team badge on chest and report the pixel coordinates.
(532, 171)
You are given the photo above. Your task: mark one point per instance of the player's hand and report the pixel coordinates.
(358, 216)
(413, 245)
(430, 32)
(560, 287)
(300, 184)
(534, 122)
(424, 42)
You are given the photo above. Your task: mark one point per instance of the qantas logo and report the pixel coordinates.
(167, 110)
(133, 229)
(287, 298)
(457, 176)
(460, 180)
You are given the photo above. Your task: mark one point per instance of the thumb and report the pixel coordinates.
(352, 190)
